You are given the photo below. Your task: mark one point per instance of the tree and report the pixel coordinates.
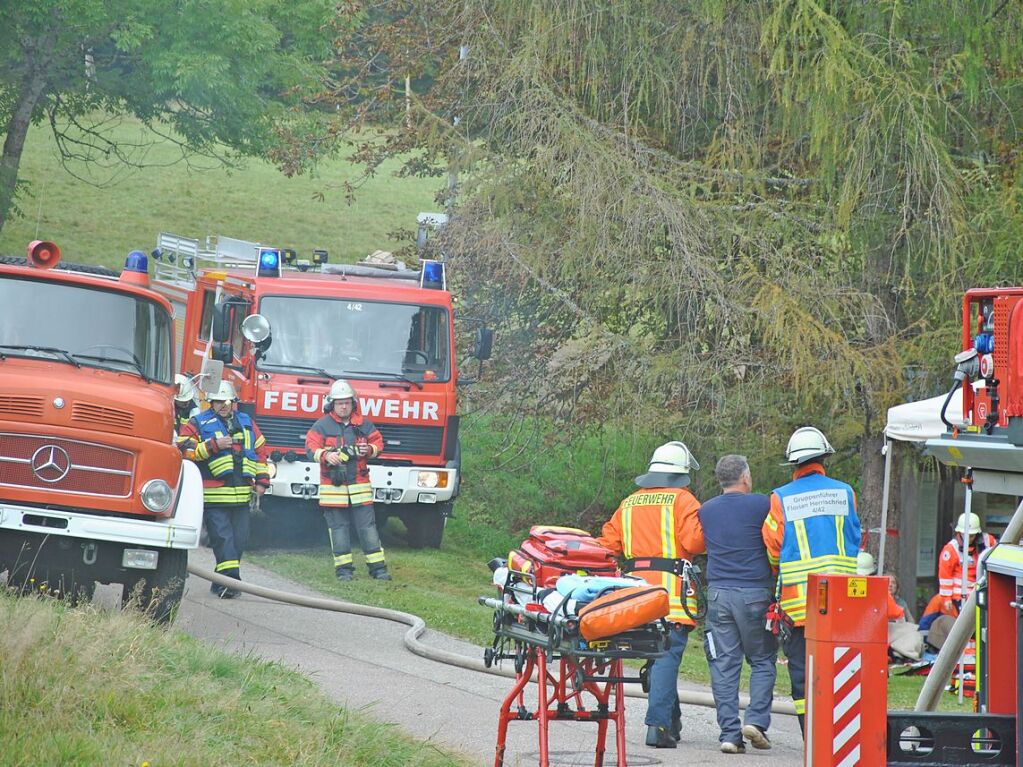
(712, 219)
(220, 78)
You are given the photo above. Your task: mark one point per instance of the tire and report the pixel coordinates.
(425, 525)
(157, 594)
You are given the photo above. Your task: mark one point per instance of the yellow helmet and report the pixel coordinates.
(970, 526)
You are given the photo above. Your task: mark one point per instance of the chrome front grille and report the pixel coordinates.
(65, 466)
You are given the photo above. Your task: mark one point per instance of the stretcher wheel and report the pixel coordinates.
(488, 657)
(520, 659)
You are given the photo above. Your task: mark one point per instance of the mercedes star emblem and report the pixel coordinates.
(51, 463)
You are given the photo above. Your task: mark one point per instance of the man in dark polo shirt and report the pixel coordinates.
(740, 586)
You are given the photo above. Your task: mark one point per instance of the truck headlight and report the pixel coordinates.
(432, 479)
(271, 469)
(156, 495)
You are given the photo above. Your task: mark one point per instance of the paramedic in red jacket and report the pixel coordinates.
(951, 582)
(341, 442)
(659, 522)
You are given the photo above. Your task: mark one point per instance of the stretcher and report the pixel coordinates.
(576, 680)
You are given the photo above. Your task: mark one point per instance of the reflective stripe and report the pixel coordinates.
(627, 531)
(342, 559)
(668, 531)
(771, 522)
(802, 542)
(800, 705)
(227, 564)
(318, 455)
(375, 557)
(227, 494)
(346, 495)
(840, 542)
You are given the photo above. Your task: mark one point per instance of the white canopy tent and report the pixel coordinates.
(914, 422)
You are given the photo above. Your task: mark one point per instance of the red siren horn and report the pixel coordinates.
(43, 254)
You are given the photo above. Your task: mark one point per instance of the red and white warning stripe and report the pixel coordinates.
(848, 689)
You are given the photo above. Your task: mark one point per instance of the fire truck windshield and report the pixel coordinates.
(358, 339)
(85, 326)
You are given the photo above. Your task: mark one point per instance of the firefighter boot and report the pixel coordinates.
(344, 574)
(676, 729)
(659, 737)
(380, 574)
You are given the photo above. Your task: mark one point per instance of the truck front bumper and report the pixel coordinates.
(181, 531)
(391, 484)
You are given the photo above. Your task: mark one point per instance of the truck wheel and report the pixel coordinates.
(425, 524)
(158, 593)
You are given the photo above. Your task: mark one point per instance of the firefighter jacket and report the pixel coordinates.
(661, 523)
(185, 443)
(228, 473)
(950, 566)
(346, 484)
(812, 528)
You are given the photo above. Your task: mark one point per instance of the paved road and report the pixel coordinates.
(362, 664)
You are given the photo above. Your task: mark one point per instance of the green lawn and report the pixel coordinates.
(101, 224)
(88, 687)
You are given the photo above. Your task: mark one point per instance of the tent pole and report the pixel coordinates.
(887, 451)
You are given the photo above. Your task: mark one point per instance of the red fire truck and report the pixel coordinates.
(287, 327)
(92, 487)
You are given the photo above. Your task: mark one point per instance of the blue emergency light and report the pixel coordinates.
(137, 261)
(269, 264)
(433, 276)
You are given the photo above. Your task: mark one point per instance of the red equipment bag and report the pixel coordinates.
(550, 552)
(621, 610)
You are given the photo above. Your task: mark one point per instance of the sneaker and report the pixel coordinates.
(345, 575)
(732, 748)
(756, 736)
(381, 575)
(659, 737)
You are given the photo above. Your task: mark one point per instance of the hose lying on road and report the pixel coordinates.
(416, 628)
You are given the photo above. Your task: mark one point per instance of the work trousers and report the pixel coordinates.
(227, 527)
(795, 652)
(340, 521)
(735, 629)
(662, 700)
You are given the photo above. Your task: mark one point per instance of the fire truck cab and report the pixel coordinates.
(287, 328)
(92, 487)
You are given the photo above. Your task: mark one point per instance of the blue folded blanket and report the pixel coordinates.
(586, 588)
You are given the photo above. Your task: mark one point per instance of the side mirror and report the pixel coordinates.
(211, 375)
(483, 344)
(221, 321)
(222, 351)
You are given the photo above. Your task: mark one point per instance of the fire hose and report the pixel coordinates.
(417, 626)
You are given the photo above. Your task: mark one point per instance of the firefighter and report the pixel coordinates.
(812, 528)
(184, 409)
(951, 584)
(659, 522)
(341, 442)
(231, 455)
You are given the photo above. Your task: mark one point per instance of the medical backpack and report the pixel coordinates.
(550, 552)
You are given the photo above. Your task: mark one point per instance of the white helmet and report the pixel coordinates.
(340, 389)
(865, 564)
(224, 393)
(974, 524)
(807, 443)
(186, 389)
(669, 467)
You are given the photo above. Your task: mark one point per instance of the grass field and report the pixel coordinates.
(85, 687)
(101, 224)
